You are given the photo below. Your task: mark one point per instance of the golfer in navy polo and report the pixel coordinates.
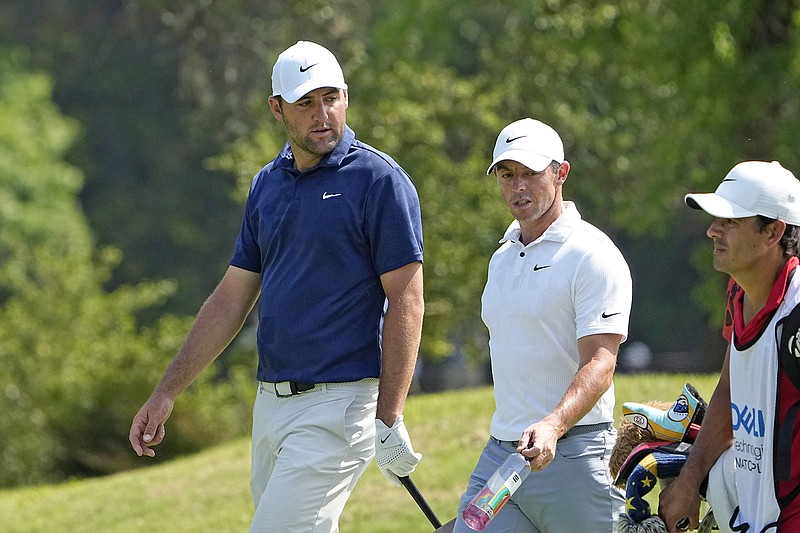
(331, 247)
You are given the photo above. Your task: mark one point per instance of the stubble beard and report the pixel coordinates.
(318, 148)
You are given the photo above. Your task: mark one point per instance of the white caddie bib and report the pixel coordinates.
(754, 388)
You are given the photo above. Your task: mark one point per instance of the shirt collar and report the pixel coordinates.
(285, 158)
(747, 333)
(558, 230)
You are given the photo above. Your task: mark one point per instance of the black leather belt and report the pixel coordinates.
(284, 389)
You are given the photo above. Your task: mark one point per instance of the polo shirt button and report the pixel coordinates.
(522, 254)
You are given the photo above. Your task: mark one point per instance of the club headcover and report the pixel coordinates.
(641, 454)
(642, 477)
(679, 423)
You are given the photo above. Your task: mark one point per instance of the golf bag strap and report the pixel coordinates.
(788, 352)
(789, 347)
(783, 445)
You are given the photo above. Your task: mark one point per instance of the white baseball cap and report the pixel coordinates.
(303, 67)
(529, 142)
(753, 188)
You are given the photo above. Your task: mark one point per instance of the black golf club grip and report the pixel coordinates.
(421, 502)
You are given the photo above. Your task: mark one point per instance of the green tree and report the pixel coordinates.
(158, 88)
(654, 99)
(75, 361)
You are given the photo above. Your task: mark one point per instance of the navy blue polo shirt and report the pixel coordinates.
(320, 239)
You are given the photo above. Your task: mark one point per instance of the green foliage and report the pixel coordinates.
(128, 72)
(75, 363)
(419, 119)
(647, 96)
(32, 138)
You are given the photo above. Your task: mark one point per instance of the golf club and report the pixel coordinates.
(425, 508)
(421, 502)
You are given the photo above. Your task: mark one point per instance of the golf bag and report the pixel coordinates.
(653, 444)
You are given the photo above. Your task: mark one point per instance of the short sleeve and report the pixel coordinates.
(393, 222)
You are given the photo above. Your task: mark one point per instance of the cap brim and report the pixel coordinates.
(301, 90)
(535, 162)
(716, 205)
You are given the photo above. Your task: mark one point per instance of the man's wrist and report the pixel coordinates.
(388, 418)
(689, 480)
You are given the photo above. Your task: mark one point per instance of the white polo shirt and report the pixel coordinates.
(539, 300)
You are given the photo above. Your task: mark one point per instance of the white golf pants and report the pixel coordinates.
(308, 451)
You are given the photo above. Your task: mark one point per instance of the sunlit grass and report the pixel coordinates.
(209, 491)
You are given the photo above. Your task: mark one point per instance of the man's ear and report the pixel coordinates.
(275, 107)
(563, 171)
(776, 231)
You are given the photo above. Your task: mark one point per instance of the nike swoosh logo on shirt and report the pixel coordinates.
(540, 267)
(308, 67)
(609, 315)
(327, 195)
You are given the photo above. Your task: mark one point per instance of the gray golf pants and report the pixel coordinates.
(574, 493)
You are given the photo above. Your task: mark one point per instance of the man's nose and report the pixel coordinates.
(714, 230)
(320, 111)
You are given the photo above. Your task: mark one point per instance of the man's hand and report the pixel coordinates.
(393, 451)
(538, 444)
(677, 503)
(147, 428)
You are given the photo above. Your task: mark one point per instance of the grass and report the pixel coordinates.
(208, 492)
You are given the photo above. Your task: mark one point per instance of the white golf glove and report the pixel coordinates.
(393, 451)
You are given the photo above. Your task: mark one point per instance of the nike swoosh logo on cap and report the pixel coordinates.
(510, 140)
(327, 195)
(303, 69)
(728, 179)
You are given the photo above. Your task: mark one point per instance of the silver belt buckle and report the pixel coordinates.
(283, 389)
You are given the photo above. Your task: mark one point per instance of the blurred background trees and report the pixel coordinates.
(130, 130)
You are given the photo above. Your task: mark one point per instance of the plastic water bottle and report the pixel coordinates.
(492, 497)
